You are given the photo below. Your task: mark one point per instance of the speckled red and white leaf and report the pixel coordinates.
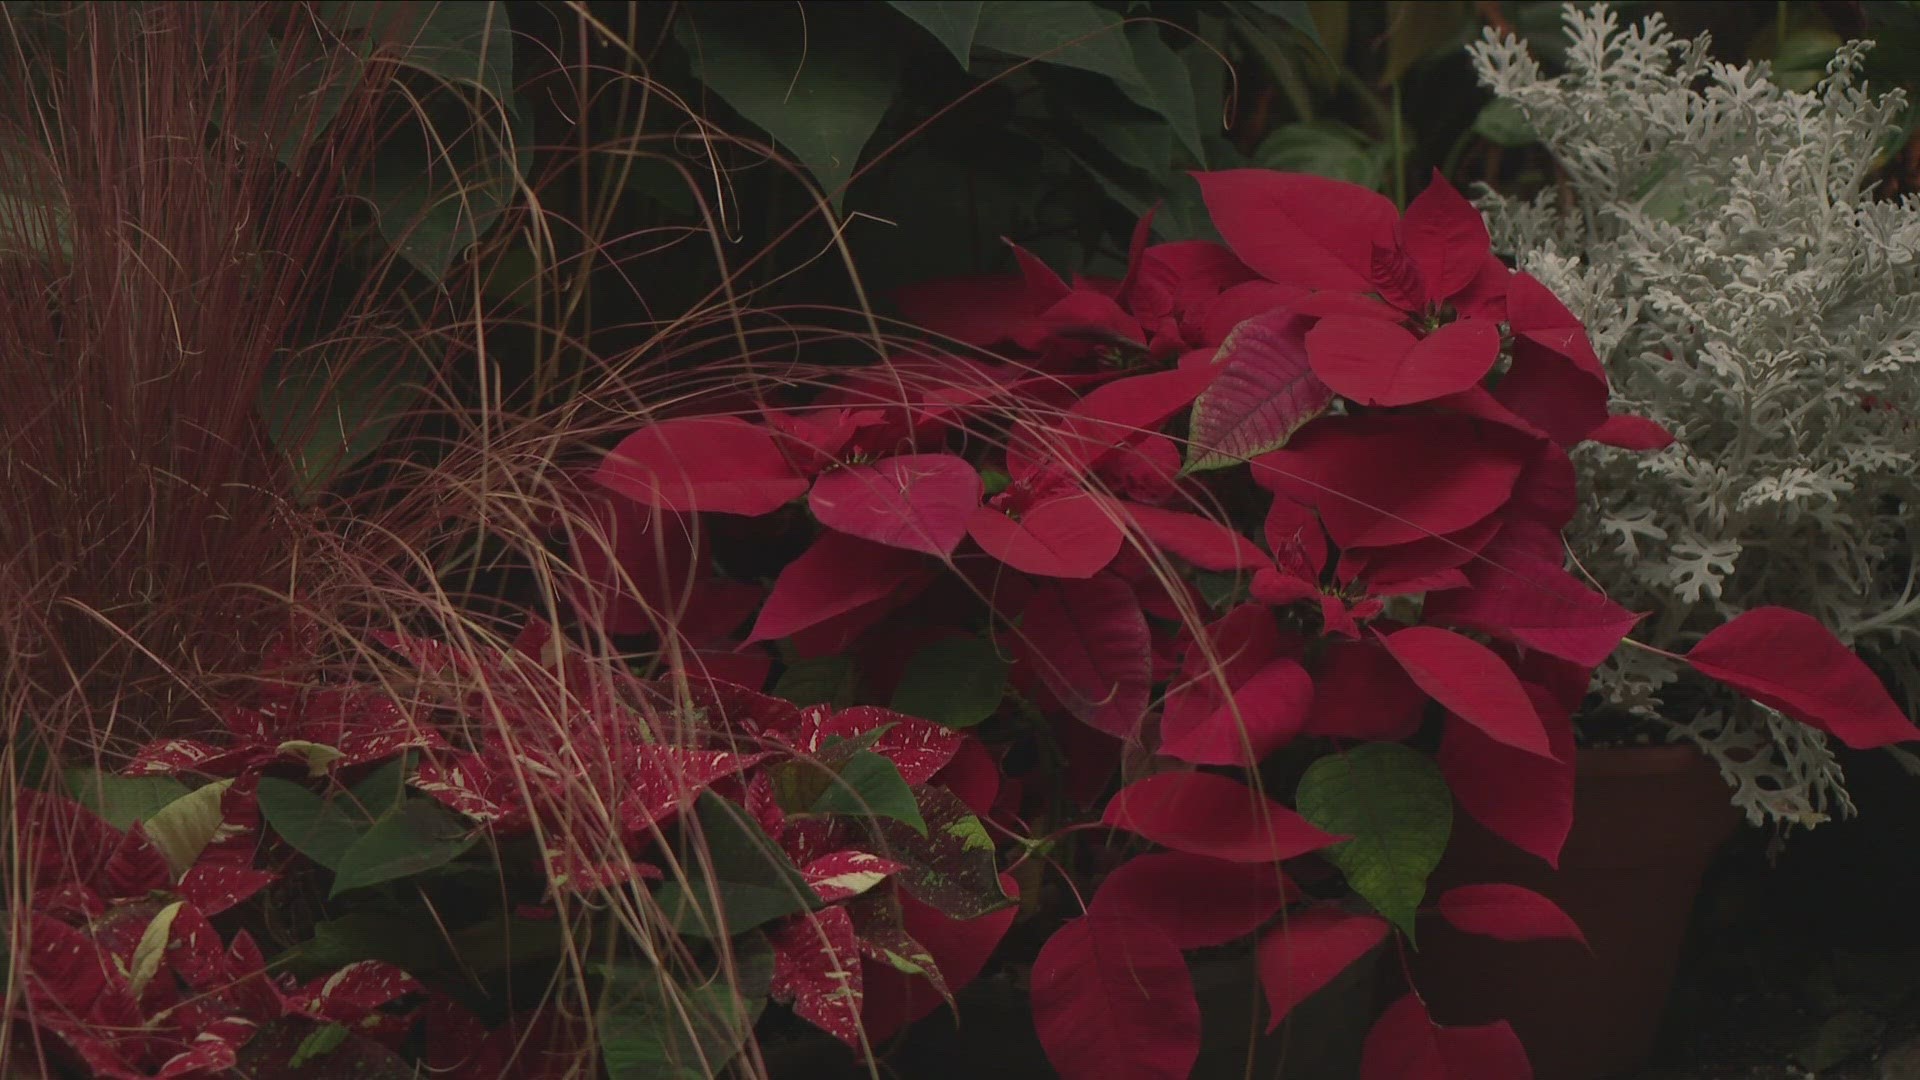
(816, 969)
(215, 887)
(662, 779)
(951, 868)
(845, 874)
(575, 872)
(879, 921)
(347, 996)
(468, 784)
(167, 757)
(918, 748)
(208, 1056)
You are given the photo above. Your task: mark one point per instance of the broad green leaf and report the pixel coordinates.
(1418, 29)
(951, 867)
(869, 785)
(122, 800)
(1295, 13)
(183, 828)
(1167, 88)
(1504, 124)
(321, 828)
(326, 421)
(318, 756)
(416, 836)
(751, 880)
(1142, 142)
(1070, 33)
(324, 1040)
(1393, 802)
(383, 788)
(412, 939)
(955, 682)
(952, 21)
(1325, 148)
(690, 1035)
(822, 103)
(819, 680)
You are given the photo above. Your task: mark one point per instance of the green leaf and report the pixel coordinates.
(441, 185)
(819, 680)
(412, 939)
(690, 1035)
(151, 949)
(822, 103)
(869, 785)
(416, 836)
(954, 682)
(1393, 802)
(1325, 148)
(951, 866)
(1418, 29)
(1166, 87)
(122, 800)
(323, 829)
(1503, 123)
(952, 21)
(1070, 33)
(1143, 142)
(1295, 13)
(326, 421)
(322, 1041)
(751, 881)
(183, 828)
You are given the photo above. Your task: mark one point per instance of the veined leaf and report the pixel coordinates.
(952, 21)
(1396, 807)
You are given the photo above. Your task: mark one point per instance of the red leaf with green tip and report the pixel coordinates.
(1091, 648)
(1472, 682)
(1265, 391)
(1113, 1001)
(1069, 536)
(1787, 660)
(1507, 913)
(1307, 951)
(716, 463)
(920, 502)
(1204, 814)
(1196, 901)
(1405, 1044)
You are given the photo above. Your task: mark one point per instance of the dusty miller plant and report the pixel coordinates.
(1719, 236)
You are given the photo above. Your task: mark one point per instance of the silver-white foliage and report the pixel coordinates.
(1717, 234)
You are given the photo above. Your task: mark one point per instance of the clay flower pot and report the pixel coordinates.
(1647, 821)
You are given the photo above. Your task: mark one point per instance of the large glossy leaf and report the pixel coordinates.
(837, 575)
(1405, 1044)
(122, 800)
(1204, 814)
(183, 828)
(822, 102)
(1301, 230)
(1372, 362)
(920, 502)
(1066, 536)
(1307, 951)
(653, 1024)
(1196, 901)
(1786, 660)
(1071, 33)
(1267, 711)
(413, 837)
(1090, 643)
(952, 21)
(718, 463)
(1112, 999)
(954, 682)
(1166, 87)
(327, 419)
(869, 785)
(1396, 807)
(1473, 682)
(1516, 795)
(1264, 392)
(750, 880)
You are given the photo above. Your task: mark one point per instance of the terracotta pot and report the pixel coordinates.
(1647, 821)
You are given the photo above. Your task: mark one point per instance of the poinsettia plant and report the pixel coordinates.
(1164, 613)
